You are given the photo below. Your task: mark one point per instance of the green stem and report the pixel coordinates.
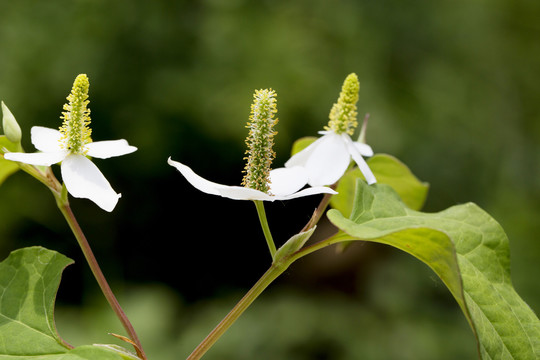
(100, 278)
(271, 274)
(266, 229)
(334, 239)
(268, 277)
(59, 192)
(318, 213)
(277, 268)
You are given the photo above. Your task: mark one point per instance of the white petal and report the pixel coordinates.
(209, 187)
(240, 192)
(46, 139)
(198, 182)
(302, 157)
(110, 148)
(307, 192)
(244, 193)
(328, 161)
(42, 159)
(84, 180)
(364, 149)
(362, 164)
(285, 181)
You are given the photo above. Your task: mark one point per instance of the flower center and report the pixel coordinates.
(74, 129)
(260, 141)
(343, 113)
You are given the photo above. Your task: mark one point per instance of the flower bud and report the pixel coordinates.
(12, 130)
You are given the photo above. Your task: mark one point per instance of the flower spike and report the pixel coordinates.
(260, 141)
(343, 113)
(75, 129)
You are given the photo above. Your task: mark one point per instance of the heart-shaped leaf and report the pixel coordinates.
(29, 280)
(387, 170)
(467, 249)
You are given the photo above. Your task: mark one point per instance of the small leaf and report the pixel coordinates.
(387, 170)
(29, 280)
(294, 244)
(468, 250)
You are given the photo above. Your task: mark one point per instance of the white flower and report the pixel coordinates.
(71, 144)
(327, 159)
(285, 184)
(81, 177)
(260, 183)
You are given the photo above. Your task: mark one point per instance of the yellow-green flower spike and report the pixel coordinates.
(75, 130)
(260, 141)
(343, 113)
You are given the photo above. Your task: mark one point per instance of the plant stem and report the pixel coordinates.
(269, 276)
(100, 278)
(334, 239)
(317, 214)
(277, 268)
(266, 229)
(47, 177)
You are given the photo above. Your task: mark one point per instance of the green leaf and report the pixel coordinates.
(293, 244)
(387, 170)
(29, 280)
(468, 250)
(6, 167)
(301, 144)
(5, 144)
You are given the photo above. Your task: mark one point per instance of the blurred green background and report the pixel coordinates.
(452, 88)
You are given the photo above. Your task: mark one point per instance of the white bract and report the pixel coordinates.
(327, 159)
(81, 177)
(285, 184)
